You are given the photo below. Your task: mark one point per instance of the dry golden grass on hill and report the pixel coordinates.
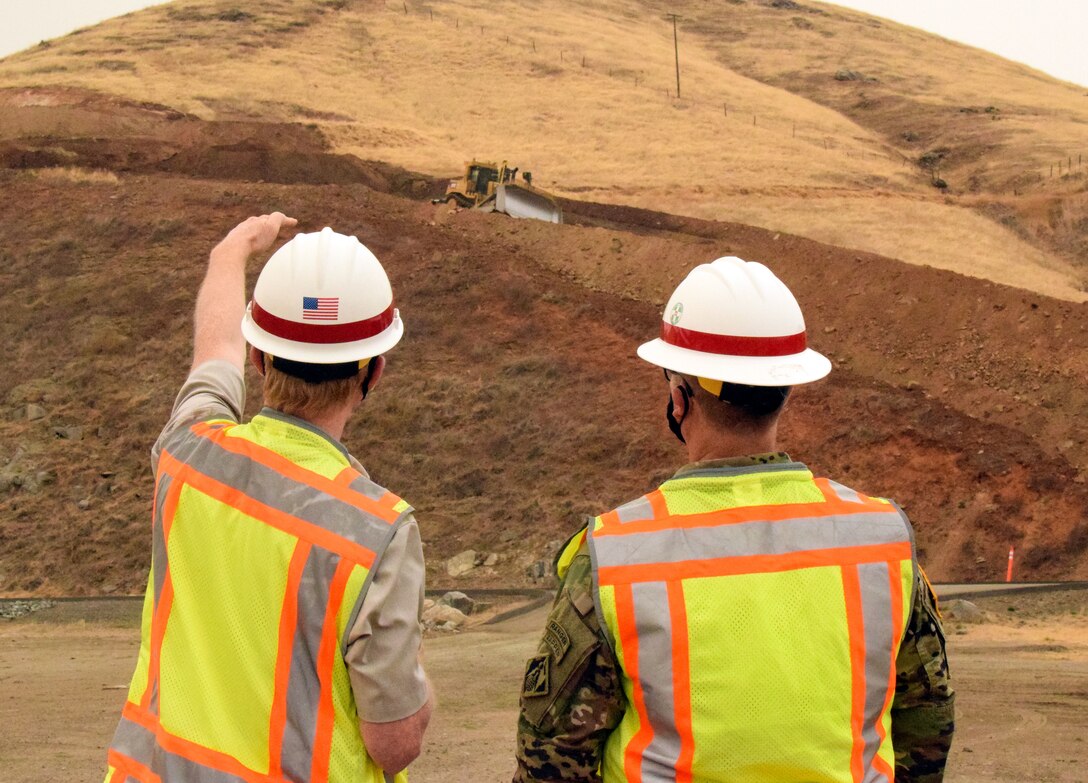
(578, 96)
(909, 82)
(863, 221)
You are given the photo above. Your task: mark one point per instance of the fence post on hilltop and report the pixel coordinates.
(667, 95)
(405, 8)
(725, 109)
(534, 44)
(1052, 171)
(560, 55)
(753, 120)
(583, 61)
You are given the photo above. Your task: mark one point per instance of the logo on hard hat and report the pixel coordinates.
(677, 312)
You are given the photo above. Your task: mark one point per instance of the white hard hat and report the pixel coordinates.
(734, 321)
(322, 298)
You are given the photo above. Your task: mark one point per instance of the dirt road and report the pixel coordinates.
(1021, 675)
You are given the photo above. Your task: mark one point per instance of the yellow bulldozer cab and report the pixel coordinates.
(492, 187)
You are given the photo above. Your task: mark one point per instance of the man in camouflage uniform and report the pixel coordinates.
(572, 694)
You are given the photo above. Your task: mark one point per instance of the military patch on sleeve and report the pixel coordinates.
(536, 676)
(557, 639)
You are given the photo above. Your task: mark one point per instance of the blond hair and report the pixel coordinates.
(297, 397)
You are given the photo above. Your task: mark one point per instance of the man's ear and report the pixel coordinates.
(681, 403)
(256, 358)
(377, 365)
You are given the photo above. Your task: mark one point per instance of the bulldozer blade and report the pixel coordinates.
(520, 202)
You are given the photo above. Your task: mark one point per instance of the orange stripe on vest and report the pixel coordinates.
(192, 751)
(897, 637)
(288, 617)
(166, 598)
(127, 767)
(281, 520)
(832, 505)
(751, 564)
(326, 657)
(337, 488)
(855, 623)
(681, 680)
(625, 619)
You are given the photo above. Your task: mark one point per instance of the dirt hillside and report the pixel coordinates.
(516, 403)
(795, 116)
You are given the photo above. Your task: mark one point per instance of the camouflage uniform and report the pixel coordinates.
(572, 694)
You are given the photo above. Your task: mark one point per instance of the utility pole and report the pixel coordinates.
(676, 49)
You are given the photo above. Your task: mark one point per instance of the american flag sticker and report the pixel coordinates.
(320, 308)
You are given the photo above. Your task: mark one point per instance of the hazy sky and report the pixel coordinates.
(1045, 34)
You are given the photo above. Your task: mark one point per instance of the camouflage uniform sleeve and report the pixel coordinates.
(922, 711)
(572, 696)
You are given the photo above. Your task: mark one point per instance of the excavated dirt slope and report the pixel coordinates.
(515, 404)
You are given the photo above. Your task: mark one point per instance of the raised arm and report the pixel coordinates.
(221, 302)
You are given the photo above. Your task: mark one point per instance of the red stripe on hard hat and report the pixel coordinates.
(732, 345)
(321, 333)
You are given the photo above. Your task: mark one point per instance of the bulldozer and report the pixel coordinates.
(490, 187)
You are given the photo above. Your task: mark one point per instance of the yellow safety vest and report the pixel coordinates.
(756, 614)
(264, 539)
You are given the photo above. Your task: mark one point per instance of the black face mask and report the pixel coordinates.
(674, 425)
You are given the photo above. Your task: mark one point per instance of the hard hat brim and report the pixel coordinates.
(789, 370)
(317, 353)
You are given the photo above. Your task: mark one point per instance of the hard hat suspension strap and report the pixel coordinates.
(319, 373)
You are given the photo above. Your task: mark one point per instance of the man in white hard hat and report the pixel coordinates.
(745, 621)
(280, 633)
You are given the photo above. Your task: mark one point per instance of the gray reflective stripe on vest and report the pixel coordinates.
(782, 537)
(655, 632)
(160, 562)
(136, 742)
(635, 511)
(303, 685)
(368, 488)
(159, 555)
(277, 491)
(844, 493)
(876, 598)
